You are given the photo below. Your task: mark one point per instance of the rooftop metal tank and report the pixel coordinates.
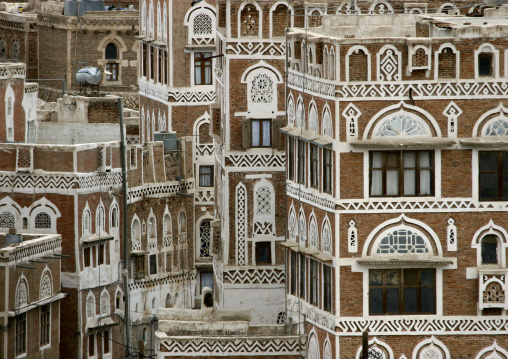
(89, 75)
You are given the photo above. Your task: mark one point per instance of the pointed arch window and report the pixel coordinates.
(205, 239)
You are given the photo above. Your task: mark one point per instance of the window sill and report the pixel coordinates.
(421, 142)
(494, 141)
(418, 260)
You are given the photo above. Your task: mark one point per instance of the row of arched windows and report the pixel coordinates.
(40, 217)
(311, 121)
(309, 232)
(152, 123)
(100, 218)
(9, 50)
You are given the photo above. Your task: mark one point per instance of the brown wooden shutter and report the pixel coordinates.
(246, 141)
(276, 124)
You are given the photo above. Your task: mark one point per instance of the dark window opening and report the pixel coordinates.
(153, 264)
(301, 161)
(485, 64)
(327, 170)
(314, 166)
(302, 276)
(291, 158)
(314, 281)
(86, 256)
(263, 253)
(111, 52)
(489, 250)
(293, 271)
(91, 345)
(327, 279)
(402, 291)
(493, 175)
(101, 254)
(105, 337)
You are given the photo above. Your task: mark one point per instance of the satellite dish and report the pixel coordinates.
(89, 75)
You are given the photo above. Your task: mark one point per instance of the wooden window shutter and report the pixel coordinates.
(246, 141)
(276, 124)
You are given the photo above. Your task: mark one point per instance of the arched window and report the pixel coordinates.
(302, 227)
(313, 119)
(264, 208)
(402, 241)
(114, 218)
(358, 61)
(327, 123)
(291, 110)
(279, 20)
(326, 237)
(313, 347)
(167, 230)
(168, 301)
(313, 232)
(104, 303)
(111, 52)
(87, 221)
(292, 223)
(402, 124)
(204, 239)
(249, 21)
(136, 233)
(498, 126)
(46, 287)
(112, 66)
(90, 305)
(21, 293)
(100, 218)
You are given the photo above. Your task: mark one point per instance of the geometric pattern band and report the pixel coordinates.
(217, 346)
(254, 276)
(438, 326)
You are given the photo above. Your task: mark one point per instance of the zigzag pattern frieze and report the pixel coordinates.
(427, 90)
(257, 160)
(231, 346)
(257, 48)
(192, 97)
(297, 193)
(178, 278)
(311, 84)
(42, 182)
(449, 325)
(442, 205)
(254, 276)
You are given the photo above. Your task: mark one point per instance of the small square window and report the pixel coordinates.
(112, 68)
(261, 133)
(205, 176)
(263, 253)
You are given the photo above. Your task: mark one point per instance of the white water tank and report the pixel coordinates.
(89, 75)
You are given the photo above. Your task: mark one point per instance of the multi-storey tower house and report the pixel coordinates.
(396, 198)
